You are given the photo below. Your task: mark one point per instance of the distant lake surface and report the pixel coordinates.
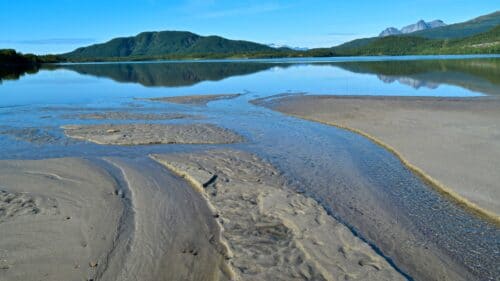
(341, 170)
(402, 76)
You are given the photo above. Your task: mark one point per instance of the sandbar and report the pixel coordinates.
(141, 134)
(453, 143)
(272, 232)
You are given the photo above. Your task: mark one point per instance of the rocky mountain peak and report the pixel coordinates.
(420, 25)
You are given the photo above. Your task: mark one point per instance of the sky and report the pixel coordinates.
(57, 26)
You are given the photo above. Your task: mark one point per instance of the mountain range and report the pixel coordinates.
(477, 36)
(420, 25)
(452, 31)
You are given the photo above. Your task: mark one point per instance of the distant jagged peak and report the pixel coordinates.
(420, 25)
(390, 31)
(283, 46)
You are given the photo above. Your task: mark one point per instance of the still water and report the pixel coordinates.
(422, 234)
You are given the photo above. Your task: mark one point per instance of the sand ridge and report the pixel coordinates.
(274, 233)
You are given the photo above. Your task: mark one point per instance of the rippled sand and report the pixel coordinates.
(453, 141)
(274, 233)
(123, 219)
(137, 134)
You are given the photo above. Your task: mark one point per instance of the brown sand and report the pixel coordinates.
(175, 236)
(137, 134)
(454, 143)
(58, 220)
(196, 99)
(65, 219)
(274, 233)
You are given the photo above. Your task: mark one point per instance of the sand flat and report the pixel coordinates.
(140, 134)
(455, 141)
(58, 219)
(72, 219)
(175, 236)
(274, 233)
(196, 99)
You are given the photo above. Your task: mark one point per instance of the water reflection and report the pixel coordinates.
(480, 75)
(14, 73)
(168, 74)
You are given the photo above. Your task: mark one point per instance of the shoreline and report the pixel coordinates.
(291, 59)
(437, 185)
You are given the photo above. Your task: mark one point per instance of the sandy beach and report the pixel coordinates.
(452, 142)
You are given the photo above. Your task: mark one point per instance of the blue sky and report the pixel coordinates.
(54, 26)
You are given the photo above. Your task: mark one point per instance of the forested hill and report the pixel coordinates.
(482, 43)
(167, 44)
(463, 29)
(460, 30)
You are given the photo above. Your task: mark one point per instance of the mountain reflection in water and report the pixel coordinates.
(480, 75)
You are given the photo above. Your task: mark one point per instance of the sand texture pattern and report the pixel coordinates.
(274, 233)
(58, 220)
(137, 134)
(71, 219)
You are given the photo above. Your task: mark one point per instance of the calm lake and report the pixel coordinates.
(359, 183)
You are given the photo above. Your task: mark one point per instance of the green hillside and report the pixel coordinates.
(462, 30)
(483, 43)
(167, 44)
(453, 31)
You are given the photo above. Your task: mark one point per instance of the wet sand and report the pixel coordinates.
(113, 219)
(124, 219)
(140, 134)
(274, 233)
(58, 219)
(196, 99)
(451, 142)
